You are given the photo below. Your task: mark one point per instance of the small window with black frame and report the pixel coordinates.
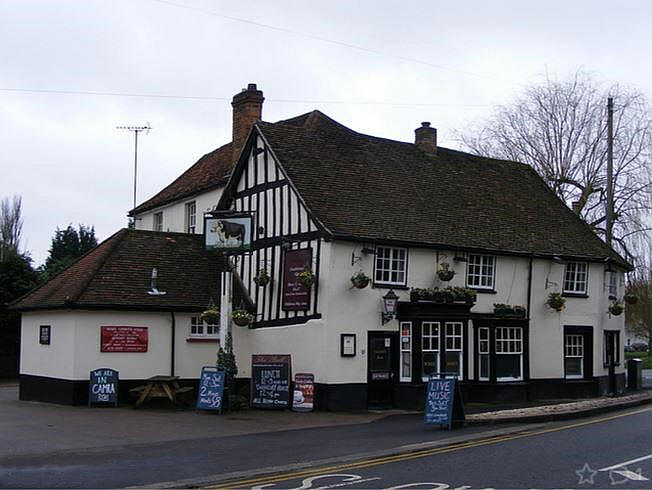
(45, 334)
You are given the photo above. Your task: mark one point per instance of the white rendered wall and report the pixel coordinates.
(174, 214)
(75, 345)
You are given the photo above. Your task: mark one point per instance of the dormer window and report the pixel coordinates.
(575, 278)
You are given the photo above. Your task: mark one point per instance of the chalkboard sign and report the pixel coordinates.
(211, 389)
(443, 402)
(103, 386)
(270, 381)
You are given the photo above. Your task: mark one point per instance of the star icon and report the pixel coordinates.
(586, 474)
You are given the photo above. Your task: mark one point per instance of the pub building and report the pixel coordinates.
(391, 261)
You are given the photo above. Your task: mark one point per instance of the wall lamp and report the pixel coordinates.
(390, 302)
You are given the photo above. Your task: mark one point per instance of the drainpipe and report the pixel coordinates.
(529, 316)
(172, 343)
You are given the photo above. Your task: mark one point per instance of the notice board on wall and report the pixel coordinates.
(123, 339)
(211, 389)
(296, 295)
(270, 380)
(443, 402)
(103, 386)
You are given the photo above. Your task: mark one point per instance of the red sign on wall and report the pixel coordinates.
(296, 295)
(123, 339)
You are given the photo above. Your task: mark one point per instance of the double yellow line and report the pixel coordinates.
(411, 455)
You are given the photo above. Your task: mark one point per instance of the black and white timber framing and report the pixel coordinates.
(282, 222)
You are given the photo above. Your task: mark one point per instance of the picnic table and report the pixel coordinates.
(160, 387)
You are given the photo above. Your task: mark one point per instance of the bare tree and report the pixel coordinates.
(560, 129)
(11, 226)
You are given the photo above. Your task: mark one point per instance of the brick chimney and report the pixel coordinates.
(425, 138)
(247, 109)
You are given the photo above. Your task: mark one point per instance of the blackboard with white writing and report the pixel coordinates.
(443, 402)
(211, 389)
(103, 386)
(270, 381)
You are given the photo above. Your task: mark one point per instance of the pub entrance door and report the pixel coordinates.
(382, 371)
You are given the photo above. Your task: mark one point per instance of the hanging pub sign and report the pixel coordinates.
(228, 232)
(443, 402)
(296, 294)
(270, 381)
(103, 386)
(123, 339)
(211, 389)
(303, 399)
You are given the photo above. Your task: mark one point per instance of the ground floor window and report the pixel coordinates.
(406, 351)
(611, 348)
(500, 349)
(199, 328)
(429, 349)
(578, 352)
(453, 359)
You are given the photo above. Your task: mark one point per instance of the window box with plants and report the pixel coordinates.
(446, 295)
(514, 311)
(241, 317)
(360, 280)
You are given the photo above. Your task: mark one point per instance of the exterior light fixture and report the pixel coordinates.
(390, 302)
(153, 291)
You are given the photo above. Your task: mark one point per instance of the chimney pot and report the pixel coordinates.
(425, 138)
(247, 109)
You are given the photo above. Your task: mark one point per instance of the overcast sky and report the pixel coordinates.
(379, 67)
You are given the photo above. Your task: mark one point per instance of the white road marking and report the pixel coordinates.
(626, 463)
(630, 475)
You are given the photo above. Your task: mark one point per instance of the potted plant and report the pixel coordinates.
(262, 279)
(211, 314)
(556, 301)
(631, 299)
(360, 280)
(616, 308)
(307, 277)
(444, 272)
(242, 317)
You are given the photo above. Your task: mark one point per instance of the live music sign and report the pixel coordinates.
(123, 339)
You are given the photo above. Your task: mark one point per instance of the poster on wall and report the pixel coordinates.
(228, 232)
(270, 380)
(296, 295)
(123, 339)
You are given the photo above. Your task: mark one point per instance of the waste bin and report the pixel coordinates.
(634, 374)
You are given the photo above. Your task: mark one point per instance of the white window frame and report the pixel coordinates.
(574, 350)
(477, 272)
(613, 284)
(202, 329)
(406, 351)
(191, 216)
(397, 265)
(431, 343)
(484, 350)
(457, 344)
(509, 341)
(158, 221)
(576, 278)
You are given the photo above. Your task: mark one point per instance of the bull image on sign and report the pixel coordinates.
(228, 232)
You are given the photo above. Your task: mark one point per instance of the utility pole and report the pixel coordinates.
(135, 130)
(610, 169)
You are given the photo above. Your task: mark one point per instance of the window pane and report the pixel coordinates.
(508, 366)
(406, 365)
(453, 363)
(430, 363)
(484, 366)
(574, 366)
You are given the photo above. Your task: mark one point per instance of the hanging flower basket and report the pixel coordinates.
(360, 280)
(242, 318)
(631, 299)
(444, 272)
(262, 279)
(556, 301)
(211, 316)
(306, 277)
(616, 308)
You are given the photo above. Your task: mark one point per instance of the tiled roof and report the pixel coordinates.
(117, 273)
(212, 170)
(367, 188)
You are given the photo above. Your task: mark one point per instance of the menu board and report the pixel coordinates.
(123, 339)
(103, 386)
(443, 402)
(211, 389)
(296, 295)
(303, 399)
(270, 381)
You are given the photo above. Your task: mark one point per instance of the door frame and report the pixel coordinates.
(394, 359)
